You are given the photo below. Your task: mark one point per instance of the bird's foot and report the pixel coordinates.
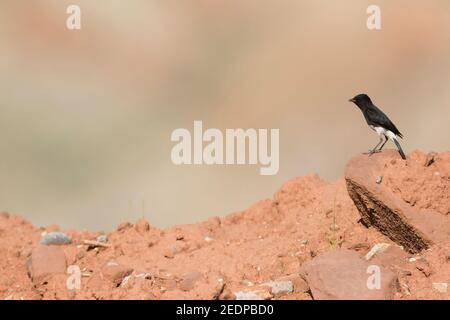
(371, 152)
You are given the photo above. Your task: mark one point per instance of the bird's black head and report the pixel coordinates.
(361, 100)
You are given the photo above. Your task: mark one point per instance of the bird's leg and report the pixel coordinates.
(386, 139)
(374, 150)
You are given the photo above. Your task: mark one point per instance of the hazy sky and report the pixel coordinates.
(86, 116)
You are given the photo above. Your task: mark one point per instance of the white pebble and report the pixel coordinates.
(441, 287)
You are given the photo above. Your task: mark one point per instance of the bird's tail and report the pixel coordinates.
(402, 154)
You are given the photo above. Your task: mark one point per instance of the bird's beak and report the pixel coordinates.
(352, 100)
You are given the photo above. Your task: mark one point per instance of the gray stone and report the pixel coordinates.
(252, 295)
(102, 238)
(278, 287)
(55, 238)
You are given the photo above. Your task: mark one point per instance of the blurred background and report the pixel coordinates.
(86, 116)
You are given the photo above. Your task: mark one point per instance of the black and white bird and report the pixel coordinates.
(378, 122)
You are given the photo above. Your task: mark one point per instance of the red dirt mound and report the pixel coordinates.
(254, 254)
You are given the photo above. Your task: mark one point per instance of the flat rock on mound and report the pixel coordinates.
(343, 275)
(46, 261)
(412, 227)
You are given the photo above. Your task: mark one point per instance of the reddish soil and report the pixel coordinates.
(222, 256)
(423, 188)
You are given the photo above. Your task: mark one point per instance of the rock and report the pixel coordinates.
(102, 238)
(212, 223)
(378, 179)
(226, 294)
(342, 274)
(46, 261)
(377, 248)
(4, 215)
(429, 160)
(413, 228)
(142, 226)
(169, 253)
(116, 272)
(125, 281)
(360, 246)
(99, 285)
(56, 288)
(280, 286)
(391, 256)
(253, 295)
(423, 266)
(79, 255)
(167, 284)
(334, 227)
(189, 280)
(123, 226)
(299, 284)
(26, 252)
(440, 287)
(218, 291)
(55, 238)
(179, 237)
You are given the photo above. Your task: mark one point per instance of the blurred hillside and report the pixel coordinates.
(86, 116)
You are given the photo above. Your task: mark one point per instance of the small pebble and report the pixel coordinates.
(334, 227)
(378, 179)
(430, 159)
(102, 238)
(179, 237)
(125, 281)
(252, 295)
(123, 226)
(377, 248)
(441, 287)
(55, 238)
